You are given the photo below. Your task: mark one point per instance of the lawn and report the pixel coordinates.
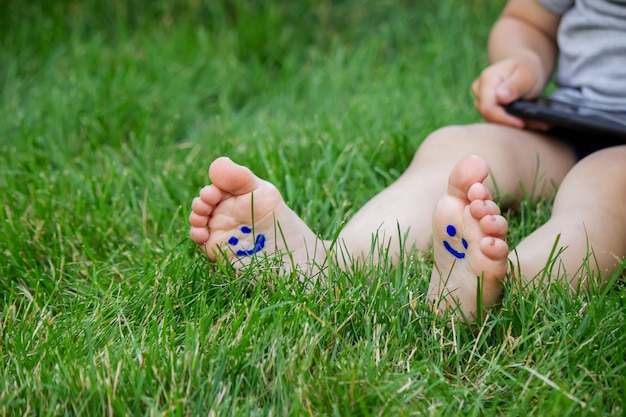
(110, 115)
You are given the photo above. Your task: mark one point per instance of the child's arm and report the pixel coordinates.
(522, 51)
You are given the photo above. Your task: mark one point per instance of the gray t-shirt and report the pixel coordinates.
(592, 52)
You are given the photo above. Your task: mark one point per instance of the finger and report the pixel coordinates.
(499, 115)
(484, 89)
(504, 95)
(519, 84)
(538, 125)
(497, 86)
(492, 90)
(475, 87)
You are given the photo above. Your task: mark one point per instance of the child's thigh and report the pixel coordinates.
(515, 156)
(588, 219)
(597, 179)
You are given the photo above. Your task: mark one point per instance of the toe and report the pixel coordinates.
(232, 178)
(494, 248)
(467, 172)
(494, 226)
(478, 191)
(197, 220)
(199, 234)
(482, 208)
(200, 207)
(211, 195)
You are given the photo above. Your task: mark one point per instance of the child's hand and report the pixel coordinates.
(503, 83)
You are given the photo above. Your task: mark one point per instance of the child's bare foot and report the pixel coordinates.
(240, 215)
(468, 240)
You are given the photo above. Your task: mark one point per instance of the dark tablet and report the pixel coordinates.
(572, 117)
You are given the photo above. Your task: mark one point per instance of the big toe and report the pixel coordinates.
(469, 171)
(231, 177)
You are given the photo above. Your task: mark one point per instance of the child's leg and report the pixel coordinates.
(240, 215)
(223, 219)
(468, 242)
(589, 215)
(514, 157)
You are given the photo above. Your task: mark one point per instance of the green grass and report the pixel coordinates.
(109, 117)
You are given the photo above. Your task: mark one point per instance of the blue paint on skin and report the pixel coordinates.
(451, 230)
(459, 255)
(259, 243)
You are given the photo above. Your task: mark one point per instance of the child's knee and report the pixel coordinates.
(447, 140)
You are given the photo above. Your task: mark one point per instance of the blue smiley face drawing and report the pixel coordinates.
(259, 243)
(451, 230)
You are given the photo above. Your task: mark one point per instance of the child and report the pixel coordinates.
(240, 215)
